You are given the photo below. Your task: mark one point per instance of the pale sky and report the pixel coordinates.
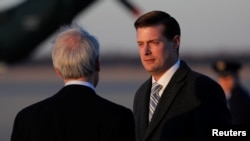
(208, 26)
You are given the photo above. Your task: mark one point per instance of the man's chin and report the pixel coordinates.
(150, 70)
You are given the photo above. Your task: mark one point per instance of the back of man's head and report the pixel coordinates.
(75, 52)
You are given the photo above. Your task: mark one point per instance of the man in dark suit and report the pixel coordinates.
(76, 112)
(182, 104)
(238, 98)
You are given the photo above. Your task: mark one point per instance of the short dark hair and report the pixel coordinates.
(152, 18)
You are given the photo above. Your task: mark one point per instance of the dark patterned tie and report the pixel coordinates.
(154, 98)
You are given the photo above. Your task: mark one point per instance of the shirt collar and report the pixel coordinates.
(165, 78)
(83, 83)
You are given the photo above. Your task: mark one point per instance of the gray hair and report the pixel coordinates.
(75, 52)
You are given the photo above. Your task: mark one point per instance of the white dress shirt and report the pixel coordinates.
(83, 83)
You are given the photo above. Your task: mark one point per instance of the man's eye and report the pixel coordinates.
(139, 44)
(155, 43)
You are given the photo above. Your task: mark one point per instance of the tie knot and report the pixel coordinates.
(156, 87)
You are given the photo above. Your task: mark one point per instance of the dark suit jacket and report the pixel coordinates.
(75, 113)
(190, 106)
(239, 106)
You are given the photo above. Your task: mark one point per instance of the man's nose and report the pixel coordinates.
(147, 50)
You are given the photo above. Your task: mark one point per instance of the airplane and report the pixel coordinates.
(25, 26)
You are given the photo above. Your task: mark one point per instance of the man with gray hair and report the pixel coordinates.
(76, 112)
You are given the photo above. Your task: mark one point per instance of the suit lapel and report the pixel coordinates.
(145, 104)
(169, 94)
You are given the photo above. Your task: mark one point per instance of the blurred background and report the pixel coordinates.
(211, 30)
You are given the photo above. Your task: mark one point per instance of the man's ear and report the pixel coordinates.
(97, 62)
(176, 41)
(58, 72)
